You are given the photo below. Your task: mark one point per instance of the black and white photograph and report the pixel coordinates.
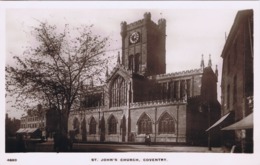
(114, 82)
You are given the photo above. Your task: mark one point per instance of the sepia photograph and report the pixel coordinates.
(92, 81)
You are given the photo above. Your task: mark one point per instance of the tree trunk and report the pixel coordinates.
(61, 142)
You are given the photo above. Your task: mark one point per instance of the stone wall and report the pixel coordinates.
(155, 112)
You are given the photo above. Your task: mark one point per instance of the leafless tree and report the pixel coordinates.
(54, 68)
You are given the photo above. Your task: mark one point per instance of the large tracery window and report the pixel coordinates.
(112, 125)
(166, 124)
(144, 125)
(92, 126)
(118, 92)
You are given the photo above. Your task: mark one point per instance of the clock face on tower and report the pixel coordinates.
(134, 37)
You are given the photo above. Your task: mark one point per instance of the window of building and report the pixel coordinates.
(164, 90)
(137, 60)
(92, 126)
(131, 62)
(235, 90)
(235, 52)
(166, 124)
(228, 64)
(188, 88)
(144, 124)
(170, 90)
(176, 89)
(112, 125)
(182, 89)
(93, 100)
(118, 93)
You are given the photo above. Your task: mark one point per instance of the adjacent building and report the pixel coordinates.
(140, 98)
(237, 82)
(32, 126)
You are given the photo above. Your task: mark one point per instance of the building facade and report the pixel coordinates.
(237, 76)
(41, 125)
(32, 126)
(140, 98)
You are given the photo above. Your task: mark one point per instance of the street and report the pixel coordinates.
(86, 147)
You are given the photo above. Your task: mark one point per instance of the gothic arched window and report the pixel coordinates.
(118, 92)
(112, 125)
(166, 124)
(92, 126)
(136, 64)
(131, 62)
(144, 124)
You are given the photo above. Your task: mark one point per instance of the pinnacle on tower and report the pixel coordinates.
(147, 16)
(118, 58)
(216, 71)
(209, 63)
(123, 29)
(202, 62)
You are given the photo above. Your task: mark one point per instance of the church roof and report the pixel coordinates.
(116, 69)
(177, 74)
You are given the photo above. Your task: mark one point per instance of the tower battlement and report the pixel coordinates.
(143, 46)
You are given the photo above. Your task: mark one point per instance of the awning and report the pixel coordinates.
(245, 123)
(219, 121)
(21, 130)
(26, 130)
(31, 130)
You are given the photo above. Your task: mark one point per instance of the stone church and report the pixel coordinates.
(140, 98)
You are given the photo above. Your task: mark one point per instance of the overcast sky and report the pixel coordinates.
(191, 32)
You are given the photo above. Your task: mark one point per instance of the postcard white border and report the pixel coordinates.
(172, 158)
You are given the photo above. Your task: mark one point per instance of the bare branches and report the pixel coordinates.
(54, 69)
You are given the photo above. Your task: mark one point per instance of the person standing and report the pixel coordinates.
(148, 139)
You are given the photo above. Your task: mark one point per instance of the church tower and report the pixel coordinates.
(143, 46)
